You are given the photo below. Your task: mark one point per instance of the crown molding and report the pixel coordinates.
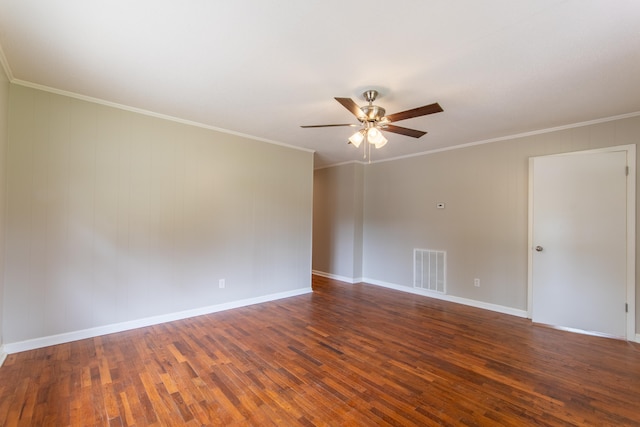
(5, 65)
(150, 113)
(517, 135)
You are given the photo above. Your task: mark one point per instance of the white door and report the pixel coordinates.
(578, 238)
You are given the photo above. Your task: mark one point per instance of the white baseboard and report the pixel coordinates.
(346, 279)
(637, 338)
(3, 355)
(451, 298)
(32, 344)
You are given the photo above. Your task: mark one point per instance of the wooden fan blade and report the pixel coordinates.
(416, 112)
(351, 106)
(328, 126)
(404, 131)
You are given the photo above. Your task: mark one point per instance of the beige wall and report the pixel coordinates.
(484, 225)
(337, 220)
(115, 216)
(4, 112)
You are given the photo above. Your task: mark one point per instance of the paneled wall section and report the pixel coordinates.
(115, 216)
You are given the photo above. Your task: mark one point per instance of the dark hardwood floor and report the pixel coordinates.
(344, 355)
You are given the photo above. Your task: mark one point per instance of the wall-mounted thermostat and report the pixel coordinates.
(440, 205)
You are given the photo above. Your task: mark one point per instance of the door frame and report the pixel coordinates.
(631, 233)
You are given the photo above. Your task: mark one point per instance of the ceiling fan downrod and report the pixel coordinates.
(370, 96)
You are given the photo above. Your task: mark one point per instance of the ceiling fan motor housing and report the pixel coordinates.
(372, 113)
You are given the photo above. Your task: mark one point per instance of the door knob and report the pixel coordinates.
(539, 248)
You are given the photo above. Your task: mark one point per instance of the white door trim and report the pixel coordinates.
(631, 233)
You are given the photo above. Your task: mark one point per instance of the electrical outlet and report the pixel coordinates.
(221, 284)
(476, 282)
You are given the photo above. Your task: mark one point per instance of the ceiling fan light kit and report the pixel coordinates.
(373, 120)
(371, 134)
(357, 138)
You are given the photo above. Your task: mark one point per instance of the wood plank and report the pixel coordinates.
(346, 354)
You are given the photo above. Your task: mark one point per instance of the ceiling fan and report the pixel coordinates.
(373, 120)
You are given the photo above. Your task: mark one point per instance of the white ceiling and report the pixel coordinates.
(263, 68)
